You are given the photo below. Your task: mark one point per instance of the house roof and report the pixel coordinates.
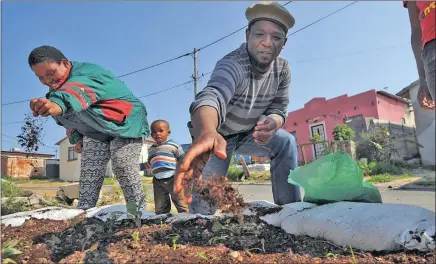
(393, 97)
(407, 88)
(148, 140)
(59, 142)
(19, 153)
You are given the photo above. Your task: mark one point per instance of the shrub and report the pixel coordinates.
(234, 173)
(374, 145)
(386, 168)
(10, 189)
(367, 168)
(343, 132)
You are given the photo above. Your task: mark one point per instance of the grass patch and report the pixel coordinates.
(386, 177)
(113, 180)
(30, 181)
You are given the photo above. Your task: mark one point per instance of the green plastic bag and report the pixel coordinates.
(333, 178)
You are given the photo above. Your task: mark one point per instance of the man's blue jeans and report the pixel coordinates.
(429, 59)
(281, 149)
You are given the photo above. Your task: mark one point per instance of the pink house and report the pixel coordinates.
(321, 116)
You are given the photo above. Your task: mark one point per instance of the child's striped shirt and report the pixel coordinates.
(163, 158)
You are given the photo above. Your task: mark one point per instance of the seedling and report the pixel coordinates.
(89, 234)
(174, 238)
(135, 237)
(214, 240)
(353, 257)
(202, 255)
(133, 212)
(331, 255)
(9, 252)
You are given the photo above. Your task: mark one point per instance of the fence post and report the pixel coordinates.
(405, 140)
(303, 153)
(417, 144)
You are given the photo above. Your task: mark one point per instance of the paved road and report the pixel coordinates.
(424, 199)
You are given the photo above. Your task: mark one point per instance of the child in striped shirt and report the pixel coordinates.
(162, 160)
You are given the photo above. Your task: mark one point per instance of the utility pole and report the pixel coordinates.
(195, 75)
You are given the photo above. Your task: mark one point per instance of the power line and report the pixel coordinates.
(314, 22)
(173, 87)
(155, 65)
(206, 46)
(12, 123)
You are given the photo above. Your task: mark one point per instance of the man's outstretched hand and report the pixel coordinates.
(189, 171)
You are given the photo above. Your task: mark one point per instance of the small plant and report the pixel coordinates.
(134, 212)
(317, 139)
(353, 257)
(174, 238)
(202, 255)
(9, 251)
(135, 236)
(343, 132)
(215, 240)
(331, 255)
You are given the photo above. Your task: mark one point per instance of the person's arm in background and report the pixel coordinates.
(424, 96)
(416, 37)
(279, 106)
(276, 112)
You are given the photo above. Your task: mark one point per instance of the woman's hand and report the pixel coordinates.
(44, 107)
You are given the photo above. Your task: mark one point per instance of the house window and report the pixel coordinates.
(72, 155)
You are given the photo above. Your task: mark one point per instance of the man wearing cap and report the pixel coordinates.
(242, 110)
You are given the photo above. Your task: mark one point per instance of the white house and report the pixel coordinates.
(425, 124)
(69, 160)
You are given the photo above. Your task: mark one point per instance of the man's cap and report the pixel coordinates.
(272, 11)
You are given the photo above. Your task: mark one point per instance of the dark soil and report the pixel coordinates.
(31, 135)
(194, 241)
(220, 193)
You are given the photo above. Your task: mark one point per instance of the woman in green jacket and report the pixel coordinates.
(102, 117)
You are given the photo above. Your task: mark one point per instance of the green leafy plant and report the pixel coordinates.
(202, 255)
(317, 139)
(343, 132)
(135, 237)
(133, 211)
(353, 257)
(9, 251)
(174, 238)
(367, 167)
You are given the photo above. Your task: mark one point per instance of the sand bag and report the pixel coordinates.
(366, 226)
(334, 178)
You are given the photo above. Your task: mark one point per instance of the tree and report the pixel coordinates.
(343, 132)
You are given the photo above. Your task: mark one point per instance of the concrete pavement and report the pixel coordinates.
(425, 199)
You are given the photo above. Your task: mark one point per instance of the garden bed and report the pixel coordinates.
(227, 240)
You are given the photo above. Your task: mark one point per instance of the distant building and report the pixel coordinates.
(425, 124)
(321, 116)
(69, 160)
(23, 165)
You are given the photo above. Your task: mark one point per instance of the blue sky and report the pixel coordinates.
(363, 47)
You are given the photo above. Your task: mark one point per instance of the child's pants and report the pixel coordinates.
(125, 164)
(163, 189)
